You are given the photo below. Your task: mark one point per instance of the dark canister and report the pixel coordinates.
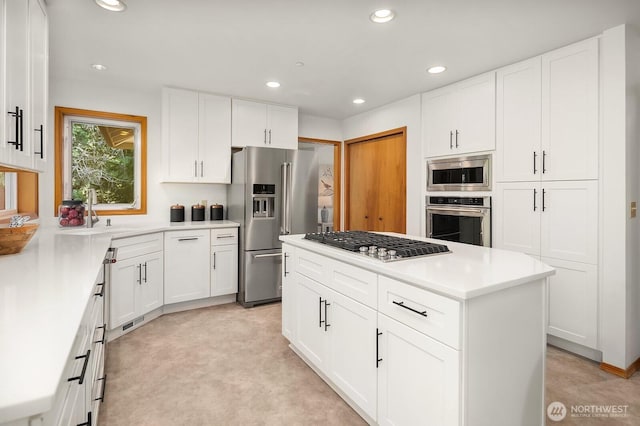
(197, 212)
(177, 213)
(217, 212)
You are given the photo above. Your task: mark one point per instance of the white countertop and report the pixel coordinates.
(44, 291)
(468, 271)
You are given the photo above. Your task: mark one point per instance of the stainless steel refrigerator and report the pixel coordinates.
(272, 192)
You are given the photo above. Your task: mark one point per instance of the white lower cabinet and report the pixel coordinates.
(416, 357)
(136, 283)
(186, 266)
(224, 261)
(418, 377)
(573, 302)
(337, 334)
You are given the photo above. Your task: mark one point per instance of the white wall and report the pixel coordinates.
(310, 126)
(405, 112)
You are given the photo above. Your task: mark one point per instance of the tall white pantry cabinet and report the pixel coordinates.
(546, 197)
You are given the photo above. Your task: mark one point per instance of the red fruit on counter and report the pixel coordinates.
(74, 222)
(64, 222)
(64, 211)
(73, 213)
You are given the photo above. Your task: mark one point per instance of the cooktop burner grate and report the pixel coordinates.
(384, 247)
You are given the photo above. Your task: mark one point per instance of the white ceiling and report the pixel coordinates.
(233, 47)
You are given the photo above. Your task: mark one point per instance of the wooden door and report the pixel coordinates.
(376, 182)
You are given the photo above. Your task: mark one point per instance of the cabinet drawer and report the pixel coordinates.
(426, 312)
(224, 236)
(310, 265)
(354, 282)
(136, 246)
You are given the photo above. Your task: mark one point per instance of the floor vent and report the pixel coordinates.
(132, 323)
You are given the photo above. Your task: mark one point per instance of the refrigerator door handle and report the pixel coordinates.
(283, 207)
(289, 172)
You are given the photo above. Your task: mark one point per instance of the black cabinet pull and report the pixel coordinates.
(104, 334)
(139, 280)
(80, 378)
(457, 133)
(101, 292)
(16, 115)
(88, 422)
(145, 272)
(326, 321)
(104, 388)
(104, 280)
(451, 139)
(214, 260)
(402, 305)
(378, 359)
(21, 130)
(188, 239)
(269, 136)
(41, 152)
(535, 155)
(543, 206)
(320, 312)
(544, 162)
(535, 193)
(265, 136)
(285, 265)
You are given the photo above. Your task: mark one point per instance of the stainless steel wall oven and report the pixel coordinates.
(459, 219)
(471, 173)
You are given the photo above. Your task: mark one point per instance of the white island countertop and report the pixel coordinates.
(44, 291)
(466, 272)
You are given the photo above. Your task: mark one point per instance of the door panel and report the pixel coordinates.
(304, 191)
(262, 275)
(311, 337)
(377, 184)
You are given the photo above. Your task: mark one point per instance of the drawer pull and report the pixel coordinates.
(326, 321)
(104, 388)
(188, 239)
(80, 378)
(402, 305)
(225, 236)
(104, 334)
(101, 292)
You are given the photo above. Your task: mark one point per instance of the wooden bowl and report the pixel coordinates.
(13, 240)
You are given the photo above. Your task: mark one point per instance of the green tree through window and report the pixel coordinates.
(99, 165)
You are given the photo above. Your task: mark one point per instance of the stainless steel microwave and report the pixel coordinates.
(471, 173)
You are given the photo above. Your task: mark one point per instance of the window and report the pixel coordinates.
(8, 194)
(103, 151)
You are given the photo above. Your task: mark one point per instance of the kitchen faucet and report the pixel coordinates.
(92, 198)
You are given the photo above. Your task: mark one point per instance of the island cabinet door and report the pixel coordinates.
(311, 338)
(418, 378)
(352, 350)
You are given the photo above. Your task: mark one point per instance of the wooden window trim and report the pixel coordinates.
(59, 115)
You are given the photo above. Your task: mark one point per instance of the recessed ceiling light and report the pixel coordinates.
(112, 5)
(273, 84)
(299, 64)
(98, 67)
(436, 70)
(358, 101)
(381, 16)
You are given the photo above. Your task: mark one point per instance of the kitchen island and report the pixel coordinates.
(448, 339)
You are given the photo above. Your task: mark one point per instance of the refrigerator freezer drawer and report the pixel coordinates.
(262, 279)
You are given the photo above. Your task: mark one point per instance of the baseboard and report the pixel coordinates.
(168, 309)
(624, 373)
(584, 351)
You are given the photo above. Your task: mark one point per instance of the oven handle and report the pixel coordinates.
(459, 211)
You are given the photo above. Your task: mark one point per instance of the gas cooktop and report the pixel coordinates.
(383, 247)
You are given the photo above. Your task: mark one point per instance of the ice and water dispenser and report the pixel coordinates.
(264, 200)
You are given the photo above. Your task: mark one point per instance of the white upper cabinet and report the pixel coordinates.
(460, 118)
(518, 108)
(196, 137)
(570, 112)
(266, 125)
(24, 62)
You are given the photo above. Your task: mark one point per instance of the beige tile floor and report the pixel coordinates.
(227, 365)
